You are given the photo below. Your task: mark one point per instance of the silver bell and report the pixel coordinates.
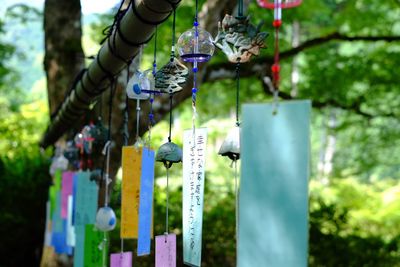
(231, 145)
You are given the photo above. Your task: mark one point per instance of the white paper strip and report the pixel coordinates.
(70, 227)
(194, 156)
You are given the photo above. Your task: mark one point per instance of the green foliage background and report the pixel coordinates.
(354, 210)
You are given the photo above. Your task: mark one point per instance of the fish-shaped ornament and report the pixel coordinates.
(171, 77)
(238, 39)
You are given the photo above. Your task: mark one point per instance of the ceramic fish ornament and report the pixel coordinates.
(238, 39)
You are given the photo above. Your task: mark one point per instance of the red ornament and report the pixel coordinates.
(275, 68)
(270, 4)
(277, 23)
(277, 6)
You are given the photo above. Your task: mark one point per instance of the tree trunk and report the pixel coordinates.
(63, 60)
(64, 56)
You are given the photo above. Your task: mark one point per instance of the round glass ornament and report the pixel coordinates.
(106, 219)
(195, 45)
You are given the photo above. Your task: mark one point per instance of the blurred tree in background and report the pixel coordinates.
(345, 60)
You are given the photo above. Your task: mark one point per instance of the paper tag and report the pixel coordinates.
(131, 172)
(74, 187)
(123, 259)
(53, 191)
(79, 251)
(166, 250)
(66, 190)
(94, 247)
(86, 199)
(59, 240)
(194, 156)
(70, 227)
(273, 228)
(57, 221)
(146, 202)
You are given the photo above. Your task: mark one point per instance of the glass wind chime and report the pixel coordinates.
(106, 219)
(194, 46)
(239, 40)
(277, 6)
(138, 170)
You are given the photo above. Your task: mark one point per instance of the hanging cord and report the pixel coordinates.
(126, 111)
(170, 117)
(236, 205)
(276, 67)
(173, 36)
(240, 9)
(138, 139)
(237, 91)
(125, 133)
(195, 69)
(107, 146)
(106, 152)
(151, 100)
(137, 121)
(167, 206)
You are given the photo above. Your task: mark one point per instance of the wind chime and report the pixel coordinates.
(169, 80)
(138, 171)
(277, 6)
(194, 46)
(239, 40)
(106, 219)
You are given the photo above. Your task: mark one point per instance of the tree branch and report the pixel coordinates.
(261, 65)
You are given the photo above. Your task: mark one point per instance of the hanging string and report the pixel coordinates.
(276, 67)
(195, 69)
(106, 152)
(170, 118)
(151, 115)
(167, 205)
(237, 91)
(137, 119)
(236, 205)
(240, 9)
(196, 11)
(126, 111)
(173, 36)
(138, 141)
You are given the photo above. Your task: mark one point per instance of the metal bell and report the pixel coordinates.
(231, 145)
(168, 154)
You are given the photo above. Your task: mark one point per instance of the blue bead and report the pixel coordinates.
(137, 89)
(151, 116)
(195, 70)
(194, 90)
(154, 65)
(151, 100)
(196, 23)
